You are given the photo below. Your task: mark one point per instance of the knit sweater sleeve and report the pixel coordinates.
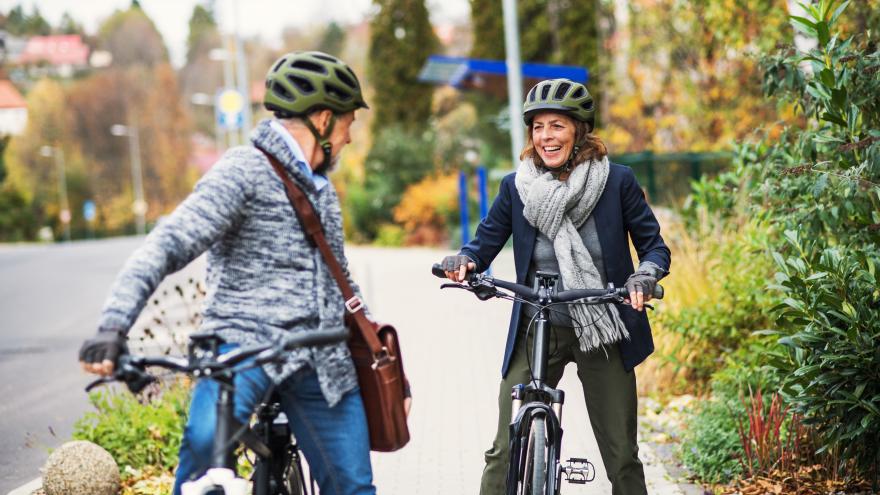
(214, 207)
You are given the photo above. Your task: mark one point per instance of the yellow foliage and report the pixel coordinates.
(425, 206)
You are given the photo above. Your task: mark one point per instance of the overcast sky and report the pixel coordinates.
(265, 18)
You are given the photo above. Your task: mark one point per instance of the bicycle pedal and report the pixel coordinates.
(579, 471)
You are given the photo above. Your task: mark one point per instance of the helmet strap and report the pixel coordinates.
(323, 140)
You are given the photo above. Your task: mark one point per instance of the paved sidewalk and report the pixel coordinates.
(453, 346)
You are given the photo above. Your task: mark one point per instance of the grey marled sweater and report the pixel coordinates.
(264, 280)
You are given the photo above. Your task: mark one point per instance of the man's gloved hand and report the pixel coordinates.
(99, 354)
(640, 286)
(456, 267)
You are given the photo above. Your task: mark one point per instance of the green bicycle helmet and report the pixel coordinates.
(560, 95)
(301, 82)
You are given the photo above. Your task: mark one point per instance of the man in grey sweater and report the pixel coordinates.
(265, 281)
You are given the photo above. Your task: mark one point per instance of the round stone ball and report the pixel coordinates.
(80, 468)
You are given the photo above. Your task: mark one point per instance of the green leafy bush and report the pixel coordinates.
(138, 434)
(710, 446)
(397, 159)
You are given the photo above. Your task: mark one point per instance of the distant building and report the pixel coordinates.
(62, 54)
(13, 110)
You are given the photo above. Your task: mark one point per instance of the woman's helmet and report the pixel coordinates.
(560, 95)
(301, 82)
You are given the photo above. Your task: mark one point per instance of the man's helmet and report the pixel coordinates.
(560, 95)
(302, 82)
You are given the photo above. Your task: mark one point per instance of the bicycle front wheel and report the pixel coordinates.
(535, 468)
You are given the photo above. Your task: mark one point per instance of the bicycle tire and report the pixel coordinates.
(538, 439)
(292, 476)
(533, 470)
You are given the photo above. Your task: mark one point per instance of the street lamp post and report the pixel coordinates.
(514, 78)
(134, 148)
(64, 214)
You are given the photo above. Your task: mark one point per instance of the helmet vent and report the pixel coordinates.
(532, 94)
(587, 105)
(335, 91)
(302, 84)
(326, 57)
(282, 92)
(561, 90)
(308, 66)
(579, 93)
(279, 64)
(544, 92)
(345, 78)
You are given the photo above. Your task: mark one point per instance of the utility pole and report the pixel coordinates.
(242, 76)
(134, 148)
(64, 215)
(514, 79)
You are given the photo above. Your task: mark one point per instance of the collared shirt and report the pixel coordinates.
(320, 181)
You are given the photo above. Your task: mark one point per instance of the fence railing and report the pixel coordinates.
(666, 177)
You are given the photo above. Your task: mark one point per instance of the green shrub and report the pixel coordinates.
(137, 434)
(711, 444)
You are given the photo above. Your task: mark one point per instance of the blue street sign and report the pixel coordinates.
(89, 210)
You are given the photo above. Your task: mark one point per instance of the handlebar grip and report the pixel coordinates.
(437, 271)
(315, 338)
(658, 292)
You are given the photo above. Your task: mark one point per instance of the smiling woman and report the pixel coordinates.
(570, 212)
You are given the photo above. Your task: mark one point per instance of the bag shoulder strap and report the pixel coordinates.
(314, 231)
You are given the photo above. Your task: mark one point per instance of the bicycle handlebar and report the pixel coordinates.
(477, 279)
(131, 369)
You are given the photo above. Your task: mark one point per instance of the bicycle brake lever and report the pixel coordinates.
(453, 286)
(100, 381)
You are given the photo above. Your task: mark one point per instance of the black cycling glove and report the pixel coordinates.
(641, 282)
(106, 345)
(453, 263)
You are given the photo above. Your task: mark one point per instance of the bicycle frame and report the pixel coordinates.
(536, 398)
(222, 471)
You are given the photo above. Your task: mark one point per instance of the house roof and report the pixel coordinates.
(10, 97)
(67, 49)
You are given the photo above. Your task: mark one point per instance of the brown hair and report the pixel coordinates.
(590, 147)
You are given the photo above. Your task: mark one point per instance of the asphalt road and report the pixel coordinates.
(50, 299)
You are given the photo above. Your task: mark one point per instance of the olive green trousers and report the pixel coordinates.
(612, 404)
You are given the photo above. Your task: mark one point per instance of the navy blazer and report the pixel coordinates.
(621, 210)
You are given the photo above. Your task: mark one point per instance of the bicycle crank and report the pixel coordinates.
(578, 471)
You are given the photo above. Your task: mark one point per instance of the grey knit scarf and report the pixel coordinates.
(557, 209)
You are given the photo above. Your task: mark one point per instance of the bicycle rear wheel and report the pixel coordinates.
(535, 462)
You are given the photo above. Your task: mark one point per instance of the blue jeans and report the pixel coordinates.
(334, 440)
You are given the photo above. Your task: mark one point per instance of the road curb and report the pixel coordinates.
(28, 488)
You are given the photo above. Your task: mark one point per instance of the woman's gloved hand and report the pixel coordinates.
(640, 286)
(456, 267)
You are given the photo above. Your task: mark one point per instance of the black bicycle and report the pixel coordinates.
(536, 429)
(278, 466)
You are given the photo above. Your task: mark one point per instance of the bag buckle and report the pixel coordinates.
(381, 358)
(354, 304)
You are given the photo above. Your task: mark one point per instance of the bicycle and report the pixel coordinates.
(536, 428)
(278, 463)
